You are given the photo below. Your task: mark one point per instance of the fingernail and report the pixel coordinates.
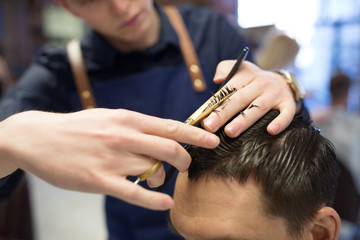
(234, 130)
(167, 203)
(212, 140)
(211, 122)
(274, 129)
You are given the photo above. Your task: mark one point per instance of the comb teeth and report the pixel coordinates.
(219, 97)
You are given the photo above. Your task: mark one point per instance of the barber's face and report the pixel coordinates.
(118, 20)
(218, 209)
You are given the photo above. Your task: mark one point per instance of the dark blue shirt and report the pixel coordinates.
(154, 81)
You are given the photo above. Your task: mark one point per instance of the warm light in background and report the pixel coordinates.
(295, 17)
(328, 34)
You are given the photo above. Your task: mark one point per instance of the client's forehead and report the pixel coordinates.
(211, 208)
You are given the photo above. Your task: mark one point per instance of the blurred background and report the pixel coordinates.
(312, 38)
(327, 31)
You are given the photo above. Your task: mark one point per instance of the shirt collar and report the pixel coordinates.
(167, 35)
(101, 51)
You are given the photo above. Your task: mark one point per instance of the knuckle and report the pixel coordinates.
(131, 194)
(170, 127)
(93, 178)
(172, 149)
(122, 116)
(178, 157)
(263, 103)
(198, 136)
(114, 140)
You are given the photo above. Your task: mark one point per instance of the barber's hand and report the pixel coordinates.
(258, 91)
(95, 150)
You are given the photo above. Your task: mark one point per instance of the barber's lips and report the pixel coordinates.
(131, 21)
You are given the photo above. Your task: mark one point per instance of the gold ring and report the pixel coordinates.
(150, 172)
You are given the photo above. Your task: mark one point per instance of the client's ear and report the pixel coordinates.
(326, 224)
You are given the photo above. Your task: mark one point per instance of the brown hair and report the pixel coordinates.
(296, 170)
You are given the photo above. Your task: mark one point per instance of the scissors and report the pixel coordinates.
(202, 112)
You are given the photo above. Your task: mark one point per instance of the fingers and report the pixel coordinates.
(234, 105)
(181, 132)
(257, 92)
(282, 121)
(249, 115)
(245, 119)
(157, 138)
(159, 148)
(133, 122)
(254, 112)
(137, 195)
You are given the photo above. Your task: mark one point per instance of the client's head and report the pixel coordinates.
(259, 186)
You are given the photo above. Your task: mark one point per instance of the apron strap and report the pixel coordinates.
(78, 68)
(187, 49)
(79, 72)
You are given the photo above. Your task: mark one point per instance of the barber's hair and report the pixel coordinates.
(295, 170)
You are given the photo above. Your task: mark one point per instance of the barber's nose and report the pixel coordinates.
(119, 6)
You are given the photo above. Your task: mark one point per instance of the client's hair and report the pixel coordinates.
(296, 170)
